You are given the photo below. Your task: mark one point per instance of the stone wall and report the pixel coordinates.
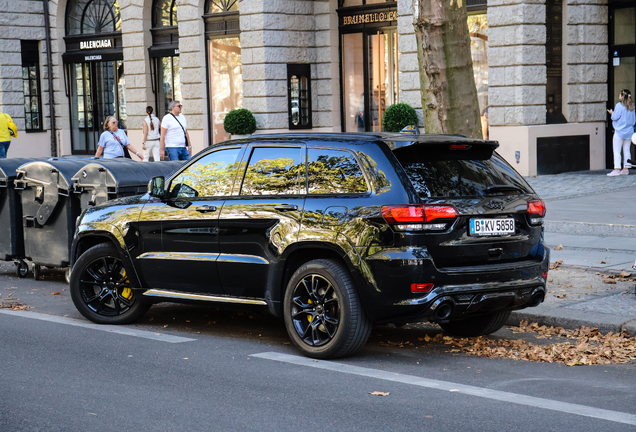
(516, 62)
(585, 58)
(408, 68)
(21, 20)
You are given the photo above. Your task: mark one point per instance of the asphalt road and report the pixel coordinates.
(186, 368)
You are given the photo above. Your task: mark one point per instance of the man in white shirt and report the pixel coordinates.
(174, 134)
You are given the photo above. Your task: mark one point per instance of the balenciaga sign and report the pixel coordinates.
(96, 44)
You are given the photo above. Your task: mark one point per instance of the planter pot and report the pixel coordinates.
(237, 136)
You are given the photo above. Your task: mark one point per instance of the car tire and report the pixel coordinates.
(476, 326)
(100, 289)
(322, 310)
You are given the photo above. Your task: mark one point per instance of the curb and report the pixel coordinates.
(571, 319)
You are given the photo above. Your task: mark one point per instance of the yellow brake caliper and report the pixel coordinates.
(309, 318)
(127, 292)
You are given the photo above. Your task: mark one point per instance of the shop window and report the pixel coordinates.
(92, 16)
(31, 86)
(478, 30)
(225, 82)
(624, 24)
(299, 96)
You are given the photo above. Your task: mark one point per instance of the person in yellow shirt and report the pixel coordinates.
(5, 134)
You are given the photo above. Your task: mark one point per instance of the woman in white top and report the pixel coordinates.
(152, 133)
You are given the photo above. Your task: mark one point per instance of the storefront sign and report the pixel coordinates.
(176, 51)
(369, 18)
(96, 44)
(93, 57)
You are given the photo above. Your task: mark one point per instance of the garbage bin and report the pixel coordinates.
(106, 179)
(49, 211)
(11, 231)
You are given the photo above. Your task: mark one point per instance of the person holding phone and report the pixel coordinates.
(623, 120)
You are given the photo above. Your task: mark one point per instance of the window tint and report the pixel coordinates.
(334, 171)
(211, 175)
(273, 171)
(447, 173)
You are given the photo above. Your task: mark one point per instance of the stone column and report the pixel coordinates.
(57, 11)
(136, 39)
(273, 34)
(408, 67)
(516, 62)
(326, 79)
(585, 58)
(192, 46)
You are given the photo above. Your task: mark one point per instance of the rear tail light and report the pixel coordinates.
(459, 147)
(536, 210)
(416, 217)
(421, 287)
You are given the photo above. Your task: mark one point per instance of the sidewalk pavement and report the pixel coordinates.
(590, 227)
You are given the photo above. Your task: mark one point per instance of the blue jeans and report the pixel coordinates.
(177, 153)
(4, 149)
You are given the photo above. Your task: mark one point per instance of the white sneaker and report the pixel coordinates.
(614, 173)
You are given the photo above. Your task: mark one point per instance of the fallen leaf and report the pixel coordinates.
(560, 296)
(602, 262)
(55, 293)
(559, 247)
(620, 216)
(568, 285)
(624, 274)
(609, 281)
(377, 393)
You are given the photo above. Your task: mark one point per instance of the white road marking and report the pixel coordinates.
(502, 396)
(102, 327)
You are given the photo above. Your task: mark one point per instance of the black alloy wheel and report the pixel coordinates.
(101, 290)
(323, 314)
(315, 310)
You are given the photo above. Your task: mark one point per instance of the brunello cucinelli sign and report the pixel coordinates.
(96, 44)
(367, 18)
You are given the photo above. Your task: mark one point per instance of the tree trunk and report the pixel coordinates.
(449, 95)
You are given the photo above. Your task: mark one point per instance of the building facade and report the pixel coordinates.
(545, 70)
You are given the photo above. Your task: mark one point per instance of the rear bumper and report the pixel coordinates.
(457, 292)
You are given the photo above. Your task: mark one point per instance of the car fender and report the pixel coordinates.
(89, 232)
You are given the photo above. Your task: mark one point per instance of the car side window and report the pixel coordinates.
(273, 171)
(334, 172)
(209, 176)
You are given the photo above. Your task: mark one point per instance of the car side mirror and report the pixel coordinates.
(156, 187)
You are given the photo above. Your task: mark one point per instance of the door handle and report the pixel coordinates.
(286, 207)
(206, 209)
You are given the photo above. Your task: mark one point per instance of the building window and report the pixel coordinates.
(348, 3)
(92, 17)
(220, 6)
(478, 30)
(31, 86)
(554, 62)
(165, 14)
(165, 65)
(299, 96)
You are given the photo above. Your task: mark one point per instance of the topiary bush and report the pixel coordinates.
(239, 122)
(398, 116)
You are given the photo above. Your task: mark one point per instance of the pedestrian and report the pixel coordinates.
(152, 135)
(174, 134)
(623, 120)
(8, 130)
(113, 141)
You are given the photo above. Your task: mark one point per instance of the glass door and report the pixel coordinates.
(97, 91)
(370, 77)
(622, 64)
(226, 82)
(169, 83)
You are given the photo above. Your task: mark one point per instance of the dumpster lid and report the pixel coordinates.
(8, 168)
(120, 173)
(50, 179)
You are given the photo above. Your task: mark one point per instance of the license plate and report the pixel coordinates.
(489, 227)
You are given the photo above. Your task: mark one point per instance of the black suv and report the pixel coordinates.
(333, 232)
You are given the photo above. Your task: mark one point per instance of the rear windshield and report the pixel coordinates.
(447, 173)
